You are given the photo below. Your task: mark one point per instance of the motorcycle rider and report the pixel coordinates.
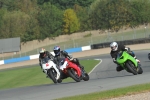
(60, 56)
(115, 48)
(43, 54)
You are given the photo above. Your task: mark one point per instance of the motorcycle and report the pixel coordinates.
(149, 56)
(51, 70)
(127, 62)
(75, 72)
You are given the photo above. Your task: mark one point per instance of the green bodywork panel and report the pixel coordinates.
(123, 57)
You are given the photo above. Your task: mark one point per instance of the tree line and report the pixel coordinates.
(39, 19)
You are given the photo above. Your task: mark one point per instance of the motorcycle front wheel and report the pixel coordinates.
(131, 68)
(52, 74)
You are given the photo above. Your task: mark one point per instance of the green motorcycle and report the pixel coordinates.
(129, 63)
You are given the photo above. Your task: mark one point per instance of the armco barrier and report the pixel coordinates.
(36, 56)
(7, 61)
(71, 50)
(126, 42)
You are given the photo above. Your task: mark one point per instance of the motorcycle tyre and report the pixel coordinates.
(86, 77)
(74, 76)
(149, 56)
(59, 80)
(131, 67)
(51, 75)
(140, 70)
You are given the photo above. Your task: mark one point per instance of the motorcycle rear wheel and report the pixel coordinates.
(73, 74)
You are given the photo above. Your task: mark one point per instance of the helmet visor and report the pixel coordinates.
(56, 52)
(113, 48)
(42, 54)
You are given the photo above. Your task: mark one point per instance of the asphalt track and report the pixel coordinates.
(103, 77)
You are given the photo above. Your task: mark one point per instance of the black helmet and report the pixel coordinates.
(56, 50)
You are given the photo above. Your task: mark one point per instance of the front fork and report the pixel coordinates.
(82, 72)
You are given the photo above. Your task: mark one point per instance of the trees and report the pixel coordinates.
(108, 14)
(83, 17)
(50, 21)
(114, 14)
(15, 24)
(98, 15)
(119, 13)
(140, 11)
(65, 4)
(39, 19)
(71, 23)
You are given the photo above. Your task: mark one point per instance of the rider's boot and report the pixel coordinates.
(119, 68)
(44, 72)
(59, 80)
(63, 75)
(137, 59)
(81, 66)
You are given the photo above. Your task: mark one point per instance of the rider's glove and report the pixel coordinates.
(126, 48)
(62, 67)
(114, 60)
(71, 59)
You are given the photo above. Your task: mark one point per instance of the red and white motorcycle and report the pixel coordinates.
(74, 71)
(51, 70)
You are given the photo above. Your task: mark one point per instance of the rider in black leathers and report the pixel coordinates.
(115, 48)
(60, 56)
(43, 54)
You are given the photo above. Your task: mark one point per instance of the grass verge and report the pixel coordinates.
(135, 89)
(31, 76)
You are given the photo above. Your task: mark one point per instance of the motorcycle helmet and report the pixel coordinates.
(56, 50)
(114, 46)
(42, 52)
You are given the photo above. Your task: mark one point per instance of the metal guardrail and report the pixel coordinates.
(125, 42)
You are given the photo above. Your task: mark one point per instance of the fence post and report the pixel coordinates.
(145, 31)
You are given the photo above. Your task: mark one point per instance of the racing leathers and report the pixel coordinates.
(60, 61)
(47, 54)
(114, 55)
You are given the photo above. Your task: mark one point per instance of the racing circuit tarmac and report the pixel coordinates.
(103, 77)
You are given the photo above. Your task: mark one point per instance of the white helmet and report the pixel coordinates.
(42, 52)
(114, 46)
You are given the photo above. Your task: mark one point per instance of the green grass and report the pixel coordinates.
(111, 93)
(31, 76)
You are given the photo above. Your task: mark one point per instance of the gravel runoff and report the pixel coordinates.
(140, 96)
